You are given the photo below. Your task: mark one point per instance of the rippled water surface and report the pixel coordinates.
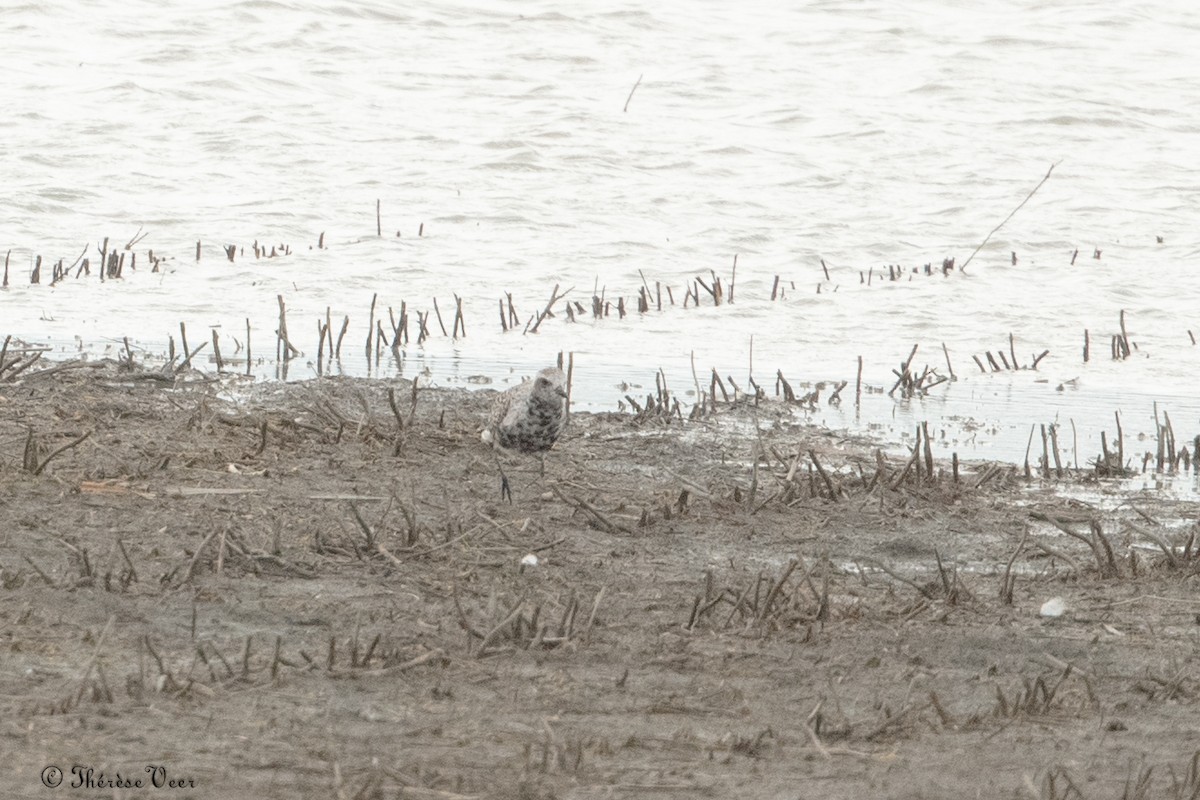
(496, 139)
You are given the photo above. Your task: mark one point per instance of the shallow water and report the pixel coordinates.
(861, 133)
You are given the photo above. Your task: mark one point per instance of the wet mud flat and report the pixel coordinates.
(314, 590)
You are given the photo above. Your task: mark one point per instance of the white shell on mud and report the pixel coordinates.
(529, 560)
(1054, 607)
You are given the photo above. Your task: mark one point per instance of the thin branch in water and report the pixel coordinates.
(631, 91)
(137, 237)
(1010, 215)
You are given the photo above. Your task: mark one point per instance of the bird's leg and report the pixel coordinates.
(505, 489)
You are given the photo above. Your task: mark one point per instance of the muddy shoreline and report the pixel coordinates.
(304, 590)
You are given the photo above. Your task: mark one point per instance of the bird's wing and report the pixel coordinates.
(500, 409)
(516, 404)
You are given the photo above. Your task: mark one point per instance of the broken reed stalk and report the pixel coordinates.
(248, 358)
(715, 290)
(1045, 455)
(905, 369)
(554, 298)
(1162, 543)
(1098, 542)
(328, 329)
(646, 287)
(1058, 468)
(1029, 445)
(514, 319)
(378, 219)
(834, 493)
(286, 349)
(775, 589)
(371, 328)
(1009, 580)
(459, 320)
(789, 396)
(987, 238)
(921, 590)
(337, 351)
(913, 461)
(438, 311)
(217, 353)
(858, 383)
(188, 358)
(183, 339)
(1171, 441)
(570, 380)
(39, 467)
(928, 450)
(1120, 442)
(598, 516)
(380, 341)
(1075, 442)
(320, 347)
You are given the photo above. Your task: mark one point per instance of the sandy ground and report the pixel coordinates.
(290, 595)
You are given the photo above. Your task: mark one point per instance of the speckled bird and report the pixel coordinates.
(529, 417)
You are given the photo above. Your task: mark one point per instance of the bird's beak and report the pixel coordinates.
(562, 393)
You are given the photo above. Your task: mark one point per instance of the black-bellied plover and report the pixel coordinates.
(528, 418)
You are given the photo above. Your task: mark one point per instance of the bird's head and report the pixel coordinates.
(551, 380)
